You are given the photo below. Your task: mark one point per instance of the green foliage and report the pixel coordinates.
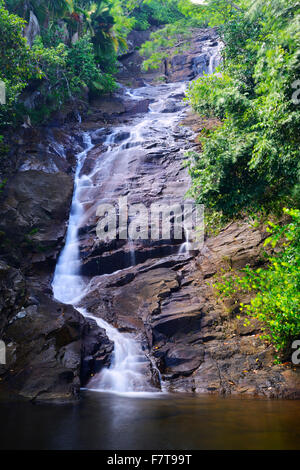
(15, 61)
(67, 70)
(276, 290)
(252, 160)
(104, 24)
(59, 69)
(158, 47)
(78, 48)
(3, 182)
(157, 12)
(43, 9)
(82, 68)
(181, 17)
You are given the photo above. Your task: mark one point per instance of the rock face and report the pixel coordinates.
(33, 29)
(35, 209)
(12, 292)
(50, 348)
(200, 56)
(46, 345)
(130, 63)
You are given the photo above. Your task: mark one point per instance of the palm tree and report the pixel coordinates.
(44, 10)
(100, 23)
(80, 16)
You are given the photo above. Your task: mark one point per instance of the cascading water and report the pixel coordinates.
(126, 375)
(185, 247)
(128, 371)
(132, 253)
(214, 59)
(67, 283)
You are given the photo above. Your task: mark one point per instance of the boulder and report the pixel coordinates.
(33, 29)
(97, 350)
(171, 106)
(193, 61)
(50, 349)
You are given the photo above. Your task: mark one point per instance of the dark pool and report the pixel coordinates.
(172, 422)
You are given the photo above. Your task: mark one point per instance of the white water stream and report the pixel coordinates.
(126, 374)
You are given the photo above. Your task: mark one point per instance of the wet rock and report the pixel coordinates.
(200, 64)
(181, 360)
(138, 107)
(97, 350)
(12, 293)
(121, 136)
(235, 246)
(49, 346)
(109, 105)
(171, 106)
(99, 136)
(35, 209)
(194, 62)
(47, 356)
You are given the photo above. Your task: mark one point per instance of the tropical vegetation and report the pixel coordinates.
(276, 289)
(76, 47)
(252, 159)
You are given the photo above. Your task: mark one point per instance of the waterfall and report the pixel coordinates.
(127, 374)
(132, 252)
(67, 283)
(215, 59)
(130, 368)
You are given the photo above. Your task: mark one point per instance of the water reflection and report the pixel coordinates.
(109, 421)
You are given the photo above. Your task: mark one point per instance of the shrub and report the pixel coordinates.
(16, 68)
(252, 160)
(276, 289)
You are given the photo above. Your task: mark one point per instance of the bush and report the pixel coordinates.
(66, 71)
(276, 290)
(158, 47)
(83, 70)
(157, 12)
(16, 67)
(252, 160)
